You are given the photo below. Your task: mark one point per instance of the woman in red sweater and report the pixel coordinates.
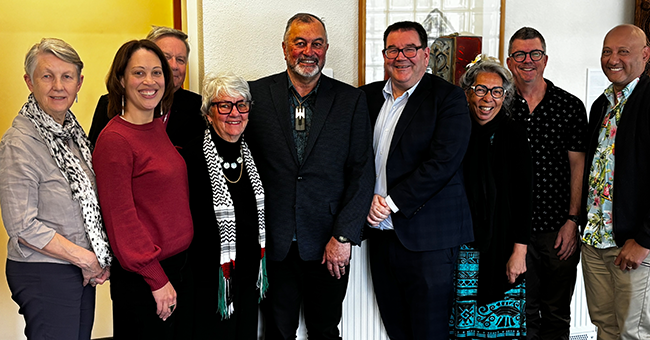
(143, 192)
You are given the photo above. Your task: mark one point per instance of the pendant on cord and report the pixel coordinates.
(300, 118)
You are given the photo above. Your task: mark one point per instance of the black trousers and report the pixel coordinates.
(52, 299)
(293, 282)
(242, 324)
(414, 289)
(549, 288)
(134, 308)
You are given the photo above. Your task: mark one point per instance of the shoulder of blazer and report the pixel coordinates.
(373, 89)
(439, 86)
(184, 97)
(268, 80)
(374, 97)
(640, 90)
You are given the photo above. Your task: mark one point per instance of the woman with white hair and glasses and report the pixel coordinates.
(58, 250)
(227, 205)
(490, 288)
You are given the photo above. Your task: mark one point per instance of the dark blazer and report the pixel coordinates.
(631, 205)
(185, 121)
(423, 169)
(330, 193)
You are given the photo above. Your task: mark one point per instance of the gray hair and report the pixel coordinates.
(305, 18)
(526, 33)
(158, 32)
(58, 48)
(223, 85)
(489, 65)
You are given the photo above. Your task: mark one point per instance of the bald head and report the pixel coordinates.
(624, 55)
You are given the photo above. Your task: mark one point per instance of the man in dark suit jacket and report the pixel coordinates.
(419, 214)
(311, 139)
(184, 121)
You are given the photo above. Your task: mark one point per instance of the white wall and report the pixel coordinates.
(574, 32)
(245, 36)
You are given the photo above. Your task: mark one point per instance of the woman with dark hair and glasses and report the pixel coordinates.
(143, 192)
(490, 287)
(227, 204)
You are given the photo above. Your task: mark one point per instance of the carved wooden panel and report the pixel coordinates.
(642, 19)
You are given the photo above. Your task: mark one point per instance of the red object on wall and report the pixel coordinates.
(450, 55)
(467, 48)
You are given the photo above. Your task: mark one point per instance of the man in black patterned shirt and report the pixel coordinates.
(556, 122)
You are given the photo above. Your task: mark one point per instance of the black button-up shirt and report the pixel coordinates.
(557, 125)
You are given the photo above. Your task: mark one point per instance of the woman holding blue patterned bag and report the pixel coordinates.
(490, 287)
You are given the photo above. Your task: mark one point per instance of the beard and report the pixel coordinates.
(305, 71)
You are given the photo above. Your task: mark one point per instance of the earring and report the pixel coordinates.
(122, 105)
(76, 98)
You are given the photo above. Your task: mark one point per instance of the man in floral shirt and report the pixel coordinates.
(616, 209)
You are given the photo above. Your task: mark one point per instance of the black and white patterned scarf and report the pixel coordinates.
(224, 212)
(56, 138)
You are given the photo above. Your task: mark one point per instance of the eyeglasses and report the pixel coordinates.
(225, 108)
(482, 90)
(535, 55)
(409, 52)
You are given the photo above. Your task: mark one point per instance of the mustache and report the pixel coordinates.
(314, 59)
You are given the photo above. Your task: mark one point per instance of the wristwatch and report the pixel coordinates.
(574, 218)
(342, 239)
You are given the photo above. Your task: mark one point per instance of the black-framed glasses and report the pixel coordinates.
(225, 107)
(482, 90)
(535, 55)
(409, 52)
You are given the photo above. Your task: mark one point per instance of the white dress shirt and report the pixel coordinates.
(387, 120)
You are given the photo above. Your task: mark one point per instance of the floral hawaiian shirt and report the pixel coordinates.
(599, 231)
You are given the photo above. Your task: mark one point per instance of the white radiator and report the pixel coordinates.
(581, 326)
(361, 319)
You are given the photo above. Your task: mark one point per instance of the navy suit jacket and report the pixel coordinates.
(330, 193)
(424, 165)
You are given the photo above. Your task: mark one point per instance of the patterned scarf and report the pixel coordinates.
(56, 138)
(224, 211)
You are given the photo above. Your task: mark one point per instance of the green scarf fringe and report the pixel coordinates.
(222, 307)
(262, 280)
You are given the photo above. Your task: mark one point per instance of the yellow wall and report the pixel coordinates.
(96, 29)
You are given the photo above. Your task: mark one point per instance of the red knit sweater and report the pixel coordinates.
(143, 193)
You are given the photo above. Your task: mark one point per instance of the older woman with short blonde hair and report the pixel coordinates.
(58, 250)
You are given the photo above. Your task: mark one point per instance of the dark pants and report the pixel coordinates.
(294, 281)
(549, 287)
(134, 308)
(414, 289)
(242, 324)
(52, 299)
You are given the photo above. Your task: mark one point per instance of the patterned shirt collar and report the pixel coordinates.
(550, 88)
(314, 91)
(621, 96)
